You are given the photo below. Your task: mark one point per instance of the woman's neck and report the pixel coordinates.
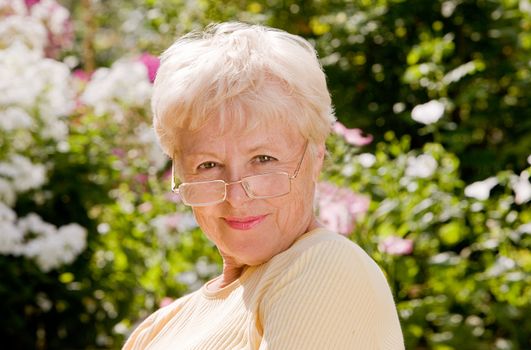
(232, 270)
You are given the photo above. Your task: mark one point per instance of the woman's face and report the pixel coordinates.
(251, 231)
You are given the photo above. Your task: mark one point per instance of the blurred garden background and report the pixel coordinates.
(428, 170)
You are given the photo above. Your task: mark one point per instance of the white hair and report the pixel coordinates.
(245, 75)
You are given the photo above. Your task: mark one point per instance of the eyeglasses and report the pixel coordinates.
(260, 186)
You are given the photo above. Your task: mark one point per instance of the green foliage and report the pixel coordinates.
(382, 58)
(465, 285)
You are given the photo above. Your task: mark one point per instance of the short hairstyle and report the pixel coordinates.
(244, 74)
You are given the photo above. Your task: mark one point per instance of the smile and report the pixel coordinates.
(244, 223)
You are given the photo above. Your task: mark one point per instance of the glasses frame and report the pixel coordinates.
(176, 188)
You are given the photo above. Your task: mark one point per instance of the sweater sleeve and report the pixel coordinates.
(333, 296)
(151, 326)
(141, 335)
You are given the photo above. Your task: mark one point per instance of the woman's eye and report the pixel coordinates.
(207, 165)
(265, 158)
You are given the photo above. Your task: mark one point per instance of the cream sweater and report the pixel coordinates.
(324, 292)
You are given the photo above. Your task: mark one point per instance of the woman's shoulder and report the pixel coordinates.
(323, 252)
(322, 242)
(326, 281)
(152, 325)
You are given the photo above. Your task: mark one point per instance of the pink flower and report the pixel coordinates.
(142, 178)
(119, 152)
(173, 197)
(165, 301)
(30, 3)
(173, 220)
(394, 245)
(81, 75)
(56, 19)
(336, 217)
(167, 175)
(339, 207)
(354, 136)
(80, 80)
(359, 205)
(152, 65)
(145, 207)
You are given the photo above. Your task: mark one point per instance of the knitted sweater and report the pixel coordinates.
(324, 292)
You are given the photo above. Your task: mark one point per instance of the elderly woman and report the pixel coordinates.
(244, 111)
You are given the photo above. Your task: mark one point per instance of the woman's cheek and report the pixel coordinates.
(205, 221)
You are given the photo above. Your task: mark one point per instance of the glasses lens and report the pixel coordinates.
(267, 185)
(202, 192)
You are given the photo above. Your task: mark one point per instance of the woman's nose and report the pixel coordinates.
(236, 195)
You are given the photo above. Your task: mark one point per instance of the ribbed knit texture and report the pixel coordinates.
(324, 292)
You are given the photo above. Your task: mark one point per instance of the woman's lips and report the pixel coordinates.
(244, 223)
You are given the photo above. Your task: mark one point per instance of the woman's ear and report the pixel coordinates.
(320, 151)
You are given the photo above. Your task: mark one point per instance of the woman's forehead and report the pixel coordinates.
(211, 139)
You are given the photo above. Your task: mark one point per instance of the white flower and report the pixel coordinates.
(206, 269)
(428, 113)
(399, 107)
(125, 83)
(23, 174)
(188, 277)
(33, 83)
(25, 30)
(22, 142)
(168, 226)
(524, 228)
(366, 160)
(57, 131)
(480, 190)
(186, 222)
(13, 118)
(20, 82)
(10, 236)
(13, 7)
(448, 8)
(422, 166)
(348, 170)
(7, 192)
(529, 159)
(525, 6)
(11, 239)
(51, 247)
(163, 230)
(501, 265)
(459, 72)
(147, 136)
(521, 187)
(33, 223)
(57, 97)
(6, 213)
(51, 13)
(74, 241)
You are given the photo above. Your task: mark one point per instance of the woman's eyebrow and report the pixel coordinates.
(200, 153)
(264, 147)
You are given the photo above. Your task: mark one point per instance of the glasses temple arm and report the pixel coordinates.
(300, 162)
